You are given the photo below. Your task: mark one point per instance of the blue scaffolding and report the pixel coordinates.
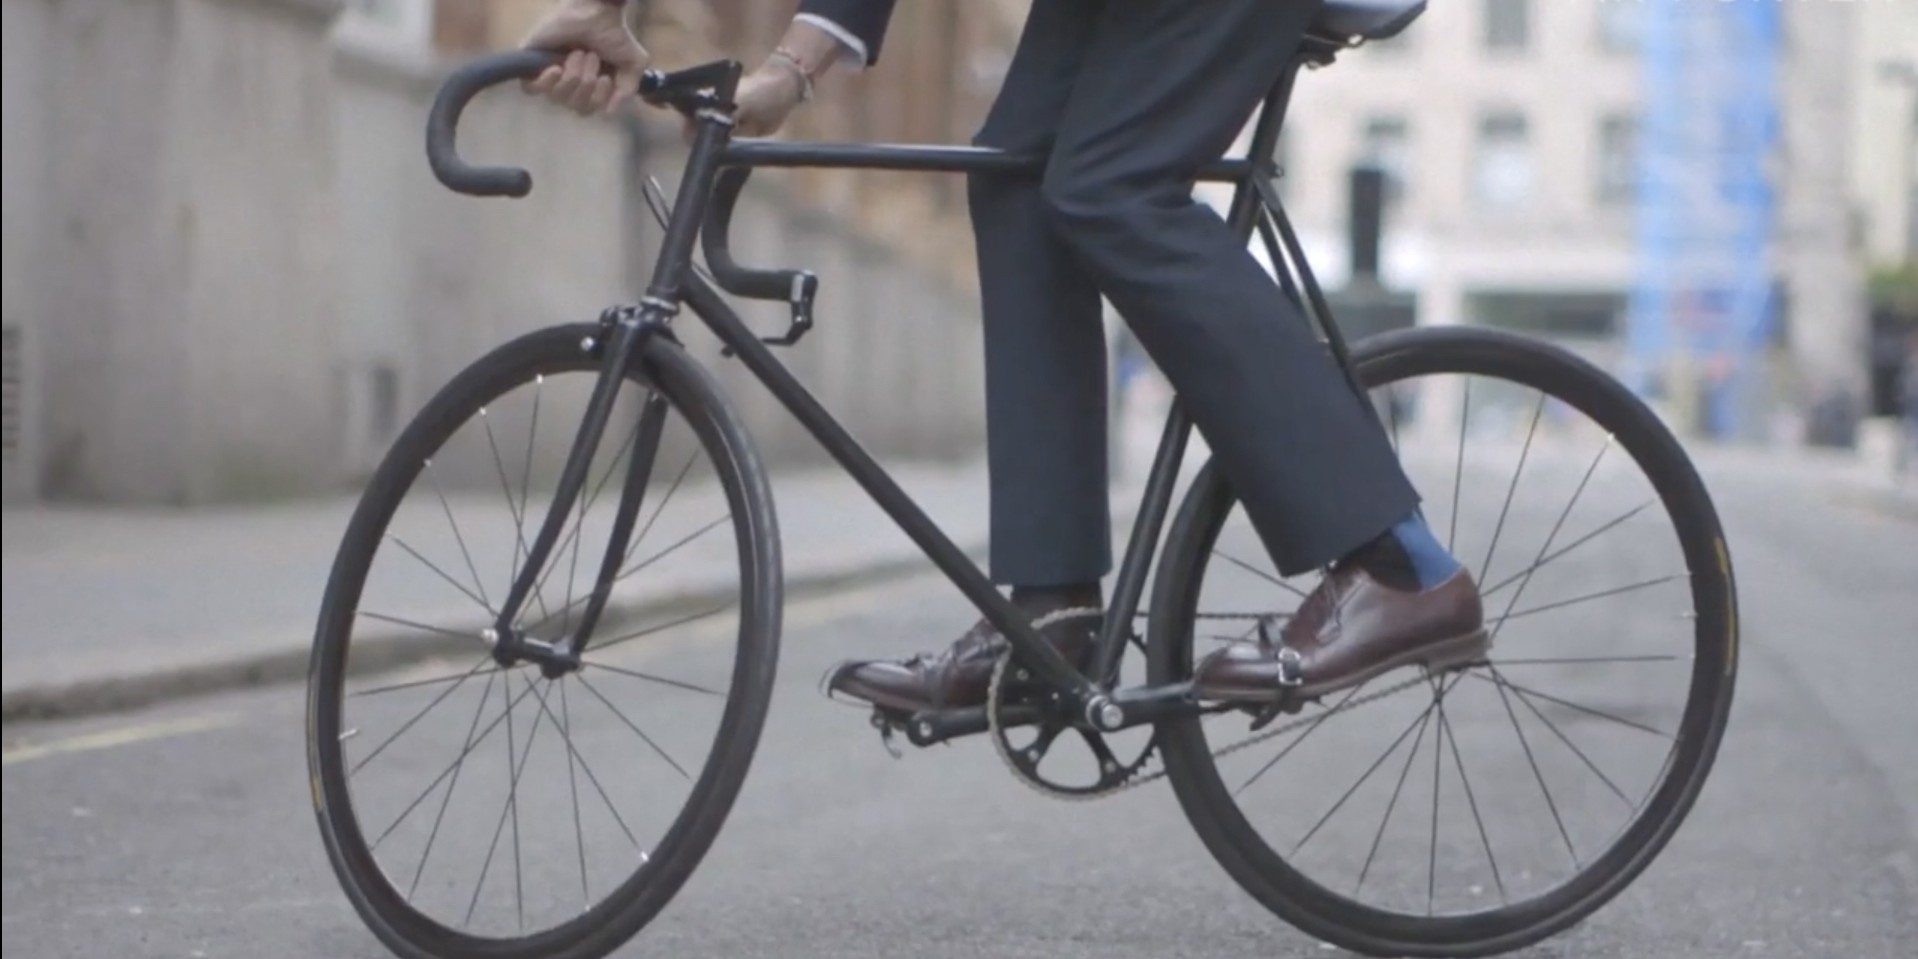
(1705, 207)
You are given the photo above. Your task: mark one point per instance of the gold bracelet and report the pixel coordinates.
(799, 70)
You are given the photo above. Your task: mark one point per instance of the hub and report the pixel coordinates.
(510, 648)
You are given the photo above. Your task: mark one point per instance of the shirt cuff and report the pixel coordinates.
(839, 33)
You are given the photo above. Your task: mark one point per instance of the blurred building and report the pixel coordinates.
(1513, 133)
(941, 67)
(229, 274)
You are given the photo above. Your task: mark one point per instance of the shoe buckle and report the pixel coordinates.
(1291, 667)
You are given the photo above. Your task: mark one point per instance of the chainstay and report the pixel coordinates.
(996, 733)
(1278, 730)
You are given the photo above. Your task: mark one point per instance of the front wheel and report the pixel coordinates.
(474, 810)
(1479, 810)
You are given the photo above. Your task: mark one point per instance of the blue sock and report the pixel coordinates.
(1431, 562)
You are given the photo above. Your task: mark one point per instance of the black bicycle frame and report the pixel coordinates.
(715, 172)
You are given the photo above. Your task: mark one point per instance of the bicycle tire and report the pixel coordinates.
(1314, 909)
(690, 389)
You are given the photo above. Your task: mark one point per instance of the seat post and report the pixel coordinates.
(1265, 138)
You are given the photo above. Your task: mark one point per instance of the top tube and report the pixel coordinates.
(920, 158)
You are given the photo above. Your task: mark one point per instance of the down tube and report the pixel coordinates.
(964, 573)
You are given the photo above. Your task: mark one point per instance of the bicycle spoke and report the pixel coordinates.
(447, 799)
(1262, 574)
(658, 628)
(634, 727)
(1550, 537)
(1458, 471)
(1575, 660)
(1537, 774)
(649, 677)
(1379, 836)
(587, 768)
(1524, 452)
(1568, 704)
(450, 581)
(512, 799)
(532, 437)
(417, 683)
(506, 490)
(514, 769)
(572, 783)
(1431, 856)
(1582, 540)
(1580, 753)
(422, 627)
(484, 660)
(447, 508)
(1416, 723)
(572, 572)
(1309, 730)
(662, 554)
(572, 538)
(1561, 604)
(661, 508)
(1471, 800)
(448, 771)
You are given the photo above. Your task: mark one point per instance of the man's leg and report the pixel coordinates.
(1044, 332)
(1166, 86)
(1045, 387)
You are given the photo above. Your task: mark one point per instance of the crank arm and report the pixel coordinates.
(930, 727)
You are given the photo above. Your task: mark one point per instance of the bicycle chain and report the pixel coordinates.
(997, 733)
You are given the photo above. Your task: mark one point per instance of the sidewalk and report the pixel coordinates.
(110, 608)
(1840, 475)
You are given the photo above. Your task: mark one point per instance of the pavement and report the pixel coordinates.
(114, 608)
(184, 829)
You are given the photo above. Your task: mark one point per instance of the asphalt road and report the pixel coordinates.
(187, 831)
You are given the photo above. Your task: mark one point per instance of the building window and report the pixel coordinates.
(1508, 25)
(1621, 25)
(1617, 159)
(1502, 176)
(1385, 143)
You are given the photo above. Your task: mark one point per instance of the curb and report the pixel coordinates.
(113, 694)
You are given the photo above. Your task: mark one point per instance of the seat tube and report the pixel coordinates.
(1157, 500)
(1242, 215)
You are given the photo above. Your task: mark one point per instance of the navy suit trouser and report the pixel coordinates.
(1129, 98)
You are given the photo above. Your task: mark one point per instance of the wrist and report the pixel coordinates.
(783, 62)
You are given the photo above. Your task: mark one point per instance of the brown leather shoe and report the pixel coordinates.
(955, 677)
(1349, 630)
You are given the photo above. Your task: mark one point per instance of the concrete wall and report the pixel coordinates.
(228, 249)
(169, 241)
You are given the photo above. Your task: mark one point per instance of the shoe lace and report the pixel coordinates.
(1322, 603)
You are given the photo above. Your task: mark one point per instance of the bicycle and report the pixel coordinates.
(1035, 690)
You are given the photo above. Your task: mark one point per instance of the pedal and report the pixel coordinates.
(1287, 704)
(886, 724)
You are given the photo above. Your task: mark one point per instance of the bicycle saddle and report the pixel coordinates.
(1369, 19)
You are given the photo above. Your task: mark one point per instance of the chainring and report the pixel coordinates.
(1114, 774)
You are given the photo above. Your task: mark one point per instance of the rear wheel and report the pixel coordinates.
(1483, 809)
(477, 810)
